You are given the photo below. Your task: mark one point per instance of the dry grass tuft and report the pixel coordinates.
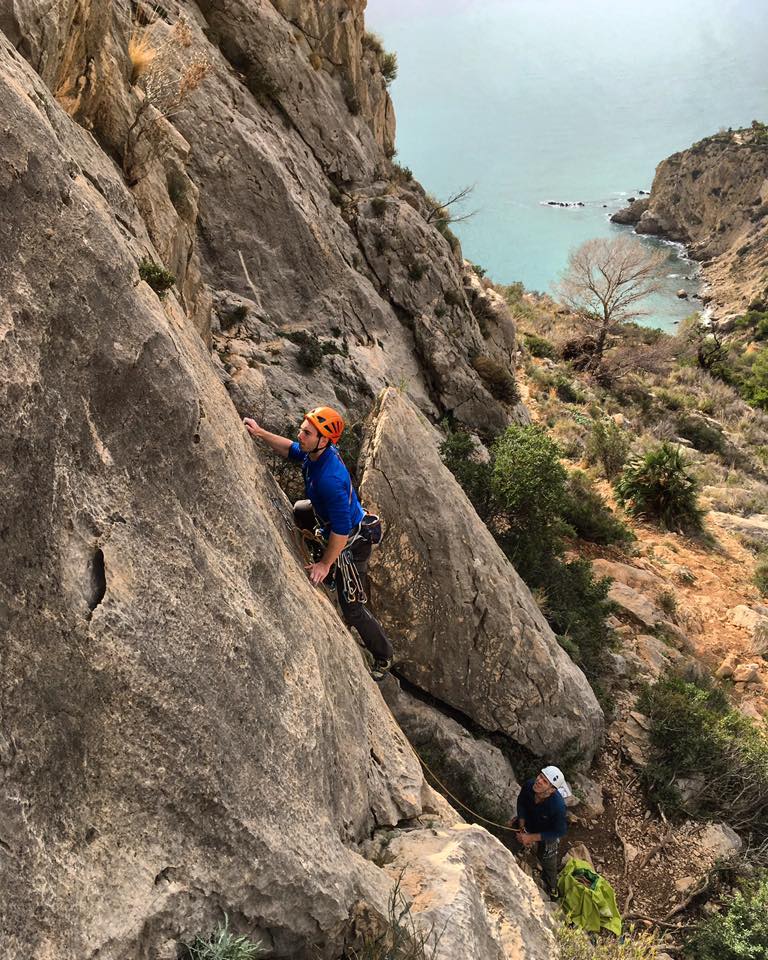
(142, 50)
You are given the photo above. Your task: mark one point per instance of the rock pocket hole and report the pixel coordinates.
(97, 585)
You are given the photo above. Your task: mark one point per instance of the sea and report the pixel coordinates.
(569, 101)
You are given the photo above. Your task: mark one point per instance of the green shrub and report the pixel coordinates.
(402, 174)
(372, 41)
(520, 494)
(529, 483)
(659, 487)
(388, 64)
(478, 270)
(416, 270)
(695, 734)
(754, 387)
(311, 350)
(739, 931)
(459, 454)
(497, 378)
(453, 298)
(667, 603)
(378, 206)
(539, 347)
(160, 279)
(704, 437)
(223, 945)
(608, 446)
(590, 517)
(760, 576)
(567, 391)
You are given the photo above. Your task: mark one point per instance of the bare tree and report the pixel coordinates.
(605, 283)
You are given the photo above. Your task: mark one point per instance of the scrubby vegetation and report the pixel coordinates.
(659, 486)
(224, 945)
(160, 279)
(497, 378)
(399, 938)
(590, 517)
(696, 735)
(575, 944)
(521, 494)
(739, 931)
(608, 446)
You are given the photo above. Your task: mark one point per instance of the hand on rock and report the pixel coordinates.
(251, 426)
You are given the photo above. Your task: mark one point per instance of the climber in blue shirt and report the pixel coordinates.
(541, 820)
(333, 505)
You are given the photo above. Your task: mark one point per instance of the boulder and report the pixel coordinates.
(589, 796)
(635, 605)
(634, 577)
(475, 770)
(635, 738)
(467, 892)
(464, 625)
(754, 527)
(720, 842)
(632, 213)
(656, 656)
(682, 294)
(578, 851)
(746, 673)
(727, 666)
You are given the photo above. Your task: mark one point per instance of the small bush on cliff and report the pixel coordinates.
(224, 945)
(739, 931)
(760, 576)
(539, 347)
(497, 378)
(659, 487)
(754, 388)
(160, 279)
(704, 436)
(607, 445)
(389, 67)
(696, 735)
(399, 938)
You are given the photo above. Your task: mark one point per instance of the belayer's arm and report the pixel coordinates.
(281, 445)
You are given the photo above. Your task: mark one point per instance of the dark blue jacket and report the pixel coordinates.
(547, 818)
(329, 487)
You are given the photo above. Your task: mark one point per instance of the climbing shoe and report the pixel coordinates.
(380, 669)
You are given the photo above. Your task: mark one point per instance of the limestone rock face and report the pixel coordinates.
(464, 625)
(466, 883)
(186, 726)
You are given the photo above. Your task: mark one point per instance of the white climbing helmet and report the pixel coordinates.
(556, 778)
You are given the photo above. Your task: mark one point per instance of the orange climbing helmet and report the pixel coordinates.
(327, 421)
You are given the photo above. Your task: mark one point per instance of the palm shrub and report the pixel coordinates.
(739, 931)
(608, 446)
(659, 487)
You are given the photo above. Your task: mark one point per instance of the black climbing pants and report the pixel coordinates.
(355, 614)
(547, 855)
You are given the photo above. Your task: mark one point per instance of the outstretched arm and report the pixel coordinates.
(281, 445)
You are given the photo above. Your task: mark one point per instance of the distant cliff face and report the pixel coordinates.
(713, 197)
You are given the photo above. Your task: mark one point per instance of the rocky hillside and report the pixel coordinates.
(203, 220)
(713, 197)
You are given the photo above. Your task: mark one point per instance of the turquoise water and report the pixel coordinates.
(567, 100)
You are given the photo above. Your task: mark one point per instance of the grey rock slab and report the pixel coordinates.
(755, 526)
(464, 625)
(720, 841)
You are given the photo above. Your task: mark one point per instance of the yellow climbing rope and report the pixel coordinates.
(500, 826)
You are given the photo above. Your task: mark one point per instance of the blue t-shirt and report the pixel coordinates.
(329, 487)
(547, 818)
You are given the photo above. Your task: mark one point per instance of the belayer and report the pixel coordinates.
(333, 510)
